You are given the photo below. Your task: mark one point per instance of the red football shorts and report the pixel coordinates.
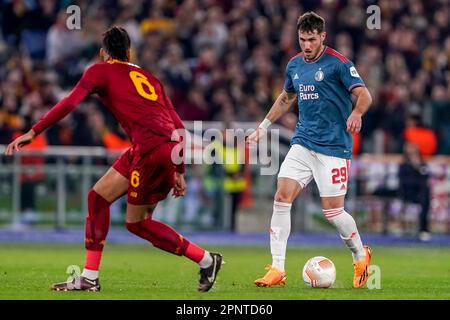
(151, 176)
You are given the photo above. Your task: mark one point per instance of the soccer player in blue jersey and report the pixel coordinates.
(323, 81)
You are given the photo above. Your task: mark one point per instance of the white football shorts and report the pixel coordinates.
(330, 173)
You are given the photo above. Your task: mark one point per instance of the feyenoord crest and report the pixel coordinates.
(319, 75)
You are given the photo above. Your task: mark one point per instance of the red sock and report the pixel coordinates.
(97, 227)
(194, 252)
(93, 260)
(165, 238)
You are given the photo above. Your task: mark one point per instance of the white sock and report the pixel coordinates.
(206, 260)
(280, 228)
(346, 226)
(90, 274)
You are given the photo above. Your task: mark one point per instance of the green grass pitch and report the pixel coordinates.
(143, 272)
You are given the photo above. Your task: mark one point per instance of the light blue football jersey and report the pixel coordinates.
(323, 89)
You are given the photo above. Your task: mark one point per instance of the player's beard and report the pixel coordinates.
(317, 53)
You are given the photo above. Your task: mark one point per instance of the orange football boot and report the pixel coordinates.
(274, 276)
(362, 269)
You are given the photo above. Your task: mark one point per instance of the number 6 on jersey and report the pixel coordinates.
(139, 81)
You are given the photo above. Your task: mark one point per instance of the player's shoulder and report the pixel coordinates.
(114, 65)
(100, 67)
(95, 67)
(336, 56)
(296, 59)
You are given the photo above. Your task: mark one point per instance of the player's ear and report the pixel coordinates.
(129, 54)
(104, 56)
(323, 35)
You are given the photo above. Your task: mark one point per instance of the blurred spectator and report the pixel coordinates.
(13, 21)
(176, 71)
(424, 138)
(38, 20)
(213, 32)
(126, 20)
(195, 107)
(30, 179)
(232, 154)
(227, 59)
(63, 45)
(6, 131)
(413, 185)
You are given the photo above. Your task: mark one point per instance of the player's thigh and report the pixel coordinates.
(136, 213)
(295, 173)
(152, 176)
(331, 175)
(112, 185)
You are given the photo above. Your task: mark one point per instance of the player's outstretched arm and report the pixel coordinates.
(20, 142)
(283, 103)
(363, 102)
(58, 112)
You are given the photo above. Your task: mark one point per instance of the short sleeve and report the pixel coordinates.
(349, 76)
(288, 84)
(91, 79)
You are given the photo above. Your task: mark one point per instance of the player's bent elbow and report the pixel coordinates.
(368, 97)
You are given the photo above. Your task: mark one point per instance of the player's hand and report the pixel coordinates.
(19, 142)
(254, 138)
(179, 189)
(354, 122)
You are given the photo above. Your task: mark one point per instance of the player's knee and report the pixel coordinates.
(96, 201)
(283, 196)
(133, 227)
(92, 195)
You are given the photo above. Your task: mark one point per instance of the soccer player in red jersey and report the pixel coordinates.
(145, 171)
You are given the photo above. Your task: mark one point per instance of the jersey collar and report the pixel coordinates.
(112, 61)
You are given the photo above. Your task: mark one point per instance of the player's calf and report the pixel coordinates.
(97, 222)
(159, 235)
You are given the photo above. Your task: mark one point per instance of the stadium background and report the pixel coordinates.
(222, 63)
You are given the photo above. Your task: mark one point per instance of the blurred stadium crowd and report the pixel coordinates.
(225, 60)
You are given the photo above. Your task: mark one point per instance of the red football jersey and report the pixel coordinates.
(134, 96)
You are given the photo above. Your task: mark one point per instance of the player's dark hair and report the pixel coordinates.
(116, 42)
(310, 21)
